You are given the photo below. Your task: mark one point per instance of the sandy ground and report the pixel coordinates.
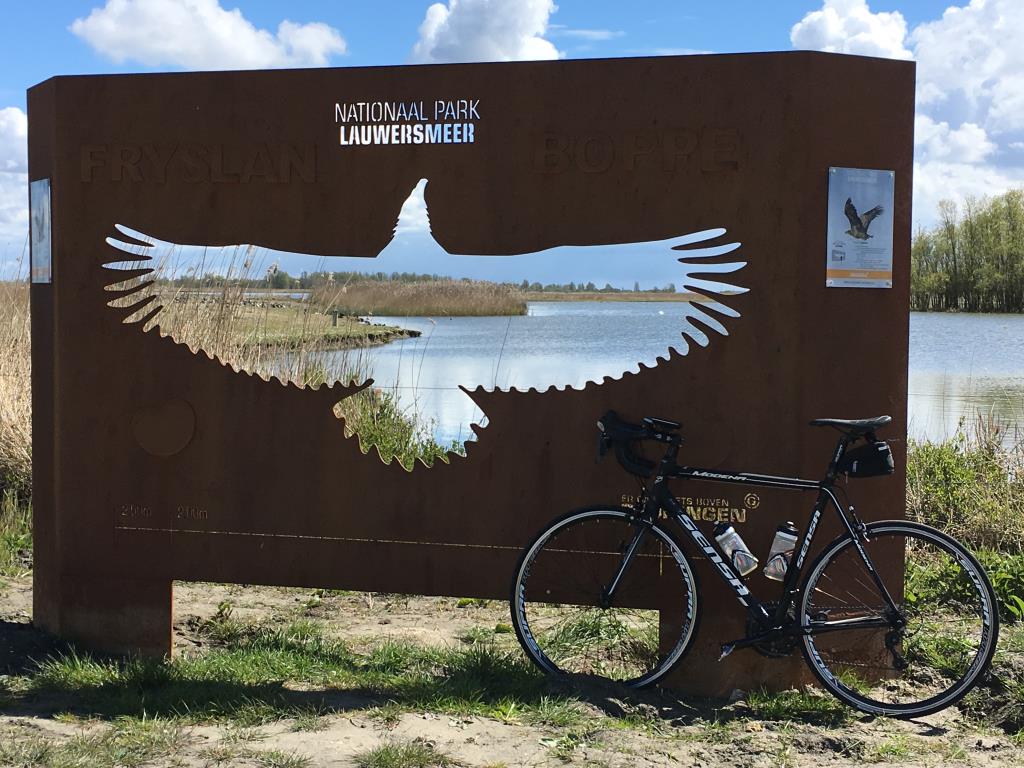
(673, 738)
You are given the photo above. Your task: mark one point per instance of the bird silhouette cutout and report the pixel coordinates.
(687, 260)
(859, 224)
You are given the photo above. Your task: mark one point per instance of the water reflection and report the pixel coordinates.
(555, 344)
(941, 403)
(963, 367)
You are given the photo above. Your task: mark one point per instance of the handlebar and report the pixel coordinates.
(620, 435)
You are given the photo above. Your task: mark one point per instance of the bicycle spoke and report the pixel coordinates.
(561, 612)
(929, 650)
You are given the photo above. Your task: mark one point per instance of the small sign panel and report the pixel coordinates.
(40, 252)
(860, 223)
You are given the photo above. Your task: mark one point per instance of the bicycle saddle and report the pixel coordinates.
(854, 426)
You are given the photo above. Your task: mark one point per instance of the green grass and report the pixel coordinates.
(892, 749)
(15, 535)
(242, 682)
(804, 706)
(932, 581)
(409, 754)
(604, 642)
(309, 721)
(377, 417)
(287, 324)
(565, 746)
(469, 602)
(129, 742)
(998, 702)
(276, 758)
(476, 635)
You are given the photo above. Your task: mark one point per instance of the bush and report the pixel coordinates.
(971, 488)
(946, 582)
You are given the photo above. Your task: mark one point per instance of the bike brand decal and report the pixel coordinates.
(807, 539)
(714, 557)
(718, 476)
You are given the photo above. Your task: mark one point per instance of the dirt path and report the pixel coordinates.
(359, 727)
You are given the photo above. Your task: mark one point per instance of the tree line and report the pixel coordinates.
(278, 279)
(973, 259)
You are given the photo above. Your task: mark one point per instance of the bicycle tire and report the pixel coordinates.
(558, 586)
(943, 594)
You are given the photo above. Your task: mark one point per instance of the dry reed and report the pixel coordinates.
(243, 331)
(428, 298)
(15, 389)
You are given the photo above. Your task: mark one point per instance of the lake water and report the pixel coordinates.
(960, 364)
(964, 365)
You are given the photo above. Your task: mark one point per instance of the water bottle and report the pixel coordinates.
(781, 552)
(734, 548)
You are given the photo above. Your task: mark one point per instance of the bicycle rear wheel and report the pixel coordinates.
(559, 608)
(919, 658)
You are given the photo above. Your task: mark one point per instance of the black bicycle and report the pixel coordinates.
(893, 617)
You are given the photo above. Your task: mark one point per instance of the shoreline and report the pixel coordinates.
(339, 342)
(625, 296)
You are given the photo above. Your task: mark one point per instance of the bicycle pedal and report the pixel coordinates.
(726, 650)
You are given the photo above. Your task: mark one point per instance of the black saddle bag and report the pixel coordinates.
(872, 459)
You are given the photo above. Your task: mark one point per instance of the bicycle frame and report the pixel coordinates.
(660, 497)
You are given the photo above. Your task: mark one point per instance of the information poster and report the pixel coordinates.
(860, 222)
(40, 255)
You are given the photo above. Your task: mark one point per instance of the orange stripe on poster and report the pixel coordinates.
(866, 274)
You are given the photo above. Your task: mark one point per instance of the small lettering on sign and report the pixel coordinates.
(447, 121)
(198, 163)
(186, 512)
(711, 510)
(133, 511)
(708, 150)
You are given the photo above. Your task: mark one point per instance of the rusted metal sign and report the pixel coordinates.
(154, 464)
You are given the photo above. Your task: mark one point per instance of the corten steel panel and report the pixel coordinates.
(563, 155)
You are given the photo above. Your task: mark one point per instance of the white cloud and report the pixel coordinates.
(13, 140)
(849, 26)
(485, 30)
(970, 89)
(590, 35)
(13, 212)
(13, 181)
(971, 64)
(200, 34)
(936, 141)
(941, 180)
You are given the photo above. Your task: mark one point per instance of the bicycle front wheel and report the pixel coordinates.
(917, 654)
(561, 609)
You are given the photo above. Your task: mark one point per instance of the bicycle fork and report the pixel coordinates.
(608, 593)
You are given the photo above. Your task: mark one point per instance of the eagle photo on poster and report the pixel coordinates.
(859, 223)
(504, 348)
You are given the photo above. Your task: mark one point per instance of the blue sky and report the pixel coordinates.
(970, 123)
(36, 42)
